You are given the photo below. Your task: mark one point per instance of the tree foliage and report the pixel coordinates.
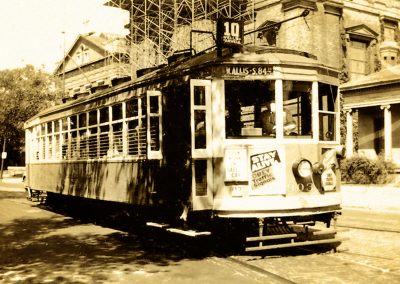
(23, 93)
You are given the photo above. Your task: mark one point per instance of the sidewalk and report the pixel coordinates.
(9, 183)
(372, 197)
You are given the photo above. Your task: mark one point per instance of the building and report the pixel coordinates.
(354, 39)
(93, 62)
(373, 102)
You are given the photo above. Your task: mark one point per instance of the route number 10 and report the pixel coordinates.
(232, 30)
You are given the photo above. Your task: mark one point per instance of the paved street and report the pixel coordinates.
(40, 246)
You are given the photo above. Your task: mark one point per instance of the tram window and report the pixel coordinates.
(42, 150)
(136, 131)
(49, 140)
(201, 177)
(64, 147)
(64, 124)
(117, 138)
(117, 112)
(297, 108)
(82, 120)
(104, 140)
(142, 136)
(73, 122)
(200, 129)
(57, 139)
(154, 104)
(49, 147)
(74, 145)
(143, 106)
(92, 117)
(83, 142)
(57, 145)
(56, 126)
(64, 139)
(327, 112)
(104, 115)
(49, 127)
(133, 137)
(42, 129)
(153, 115)
(34, 145)
(247, 108)
(132, 108)
(92, 142)
(154, 133)
(200, 95)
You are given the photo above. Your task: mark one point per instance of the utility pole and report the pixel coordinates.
(63, 65)
(2, 158)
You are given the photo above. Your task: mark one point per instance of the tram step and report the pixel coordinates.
(325, 232)
(186, 232)
(294, 244)
(190, 233)
(271, 237)
(157, 225)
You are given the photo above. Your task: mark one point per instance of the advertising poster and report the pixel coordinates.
(267, 171)
(262, 167)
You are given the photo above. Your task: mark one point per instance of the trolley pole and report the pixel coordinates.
(2, 160)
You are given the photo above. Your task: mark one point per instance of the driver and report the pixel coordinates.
(268, 121)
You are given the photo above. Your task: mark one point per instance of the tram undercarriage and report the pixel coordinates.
(275, 233)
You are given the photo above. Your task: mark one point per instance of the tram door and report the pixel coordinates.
(201, 139)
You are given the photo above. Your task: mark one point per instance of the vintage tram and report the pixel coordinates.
(242, 138)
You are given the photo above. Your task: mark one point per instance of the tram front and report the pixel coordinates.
(271, 139)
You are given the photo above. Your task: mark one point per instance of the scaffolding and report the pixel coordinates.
(158, 28)
(117, 57)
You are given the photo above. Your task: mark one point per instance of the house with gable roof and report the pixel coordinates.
(93, 62)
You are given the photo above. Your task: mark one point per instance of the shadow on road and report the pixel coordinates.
(59, 244)
(34, 250)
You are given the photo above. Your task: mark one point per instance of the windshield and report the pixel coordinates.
(244, 103)
(250, 108)
(297, 108)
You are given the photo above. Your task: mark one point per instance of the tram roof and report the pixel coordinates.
(179, 68)
(249, 55)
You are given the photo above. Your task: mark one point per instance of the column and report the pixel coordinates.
(315, 113)
(387, 116)
(349, 133)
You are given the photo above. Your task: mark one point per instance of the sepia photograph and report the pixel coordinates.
(200, 141)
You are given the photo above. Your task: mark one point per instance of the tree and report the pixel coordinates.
(23, 93)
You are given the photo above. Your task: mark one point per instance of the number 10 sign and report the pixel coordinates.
(229, 32)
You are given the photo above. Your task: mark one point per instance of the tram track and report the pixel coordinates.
(348, 261)
(370, 228)
(260, 270)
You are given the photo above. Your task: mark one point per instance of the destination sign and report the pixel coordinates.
(241, 70)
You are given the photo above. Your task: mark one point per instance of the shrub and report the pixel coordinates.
(361, 170)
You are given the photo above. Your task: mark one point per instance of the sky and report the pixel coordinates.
(37, 32)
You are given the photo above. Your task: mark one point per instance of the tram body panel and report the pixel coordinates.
(260, 180)
(128, 182)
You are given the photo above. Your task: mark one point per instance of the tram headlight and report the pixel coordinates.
(302, 168)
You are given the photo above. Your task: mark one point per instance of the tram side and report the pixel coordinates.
(191, 142)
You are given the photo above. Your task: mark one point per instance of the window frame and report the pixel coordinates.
(154, 154)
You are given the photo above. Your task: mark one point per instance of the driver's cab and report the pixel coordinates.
(255, 109)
